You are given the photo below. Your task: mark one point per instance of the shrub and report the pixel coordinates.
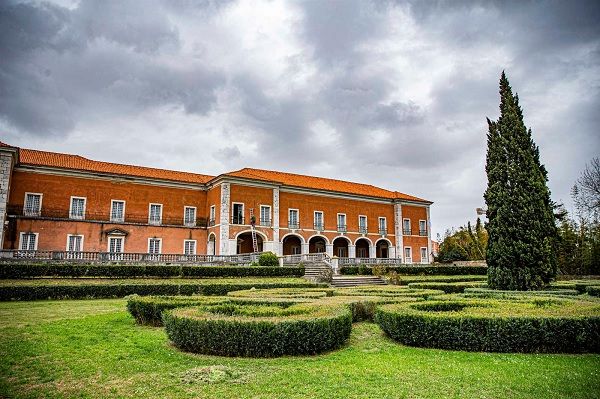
(386, 291)
(448, 288)
(268, 259)
(77, 290)
(378, 270)
(25, 270)
(489, 293)
(394, 278)
(554, 326)
(258, 331)
(593, 290)
(283, 293)
(417, 270)
(148, 309)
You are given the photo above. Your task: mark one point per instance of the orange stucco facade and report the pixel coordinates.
(216, 227)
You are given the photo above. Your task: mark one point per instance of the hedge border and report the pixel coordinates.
(490, 293)
(449, 288)
(417, 270)
(490, 333)
(20, 270)
(593, 290)
(197, 330)
(82, 291)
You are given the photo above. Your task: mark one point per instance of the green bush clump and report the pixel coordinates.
(268, 259)
(148, 310)
(76, 290)
(489, 293)
(552, 325)
(448, 288)
(32, 270)
(593, 290)
(417, 270)
(259, 331)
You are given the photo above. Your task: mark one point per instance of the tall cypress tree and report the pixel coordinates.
(521, 227)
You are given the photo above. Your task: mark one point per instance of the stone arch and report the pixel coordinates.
(211, 247)
(363, 247)
(317, 244)
(292, 244)
(340, 246)
(244, 241)
(382, 248)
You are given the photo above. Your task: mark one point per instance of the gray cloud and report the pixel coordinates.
(394, 93)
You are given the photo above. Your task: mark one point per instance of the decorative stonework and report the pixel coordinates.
(398, 230)
(276, 221)
(429, 249)
(6, 165)
(224, 219)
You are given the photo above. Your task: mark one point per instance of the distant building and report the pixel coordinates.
(60, 202)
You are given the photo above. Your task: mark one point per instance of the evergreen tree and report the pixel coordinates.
(521, 227)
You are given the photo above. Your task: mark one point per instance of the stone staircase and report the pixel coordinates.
(313, 269)
(354, 281)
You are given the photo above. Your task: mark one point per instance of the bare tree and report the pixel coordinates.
(586, 191)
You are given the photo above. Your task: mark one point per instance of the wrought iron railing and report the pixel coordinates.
(363, 229)
(382, 231)
(406, 232)
(319, 226)
(237, 219)
(342, 228)
(294, 225)
(423, 233)
(55, 213)
(265, 222)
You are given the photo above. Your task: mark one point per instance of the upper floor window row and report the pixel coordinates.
(407, 230)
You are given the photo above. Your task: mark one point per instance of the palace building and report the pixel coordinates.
(60, 202)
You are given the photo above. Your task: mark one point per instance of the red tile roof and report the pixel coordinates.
(76, 162)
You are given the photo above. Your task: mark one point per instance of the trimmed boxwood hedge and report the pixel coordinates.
(387, 291)
(489, 293)
(417, 270)
(79, 290)
(552, 325)
(148, 310)
(258, 331)
(593, 290)
(32, 270)
(448, 288)
(311, 293)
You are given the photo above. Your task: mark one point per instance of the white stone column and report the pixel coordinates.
(7, 160)
(305, 248)
(329, 249)
(429, 249)
(352, 251)
(224, 220)
(372, 251)
(276, 245)
(392, 252)
(398, 230)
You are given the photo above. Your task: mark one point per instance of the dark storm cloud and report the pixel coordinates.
(391, 92)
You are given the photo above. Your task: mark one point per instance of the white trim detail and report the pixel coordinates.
(29, 234)
(150, 220)
(112, 204)
(78, 217)
(32, 213)
(80, 243)
(195, 247)
(193, 222)
(276, 244)
(224, 220)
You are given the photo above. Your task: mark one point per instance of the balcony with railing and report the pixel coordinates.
(237, 219)
(211, 222)
(104, 217)
(363, 229)
(423, 233)
(293, 225)
(342, 228)
(265, 222)
(319, 226)
(406, 231)
(383, 231)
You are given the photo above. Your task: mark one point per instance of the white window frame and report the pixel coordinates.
(212, 215)
(159, 245)
(408, 257)
(366, 226)
(39, 212)
(425, 224)
(409, 226)
(297, 224)
(322, 220)
(345, 222)
(384, 224)
(192, 223)
(112, 201)
(233, 204)
(75, 235)
(35, 244)
(270, 220)
(122, 244)
(426, 255)
(195, 246)
(150, 221)
(71, 208)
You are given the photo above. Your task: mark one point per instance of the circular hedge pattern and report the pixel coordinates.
(387, 291)
(535, 325)
(148, 310)
(307, 293)
(259, 330)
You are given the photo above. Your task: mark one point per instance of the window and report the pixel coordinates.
(296, 250)
(154, 246)
(189, 216)
(117, 211)
(32, 205)
(238, 213)
(293, 220)
(211, 216)
(319, 221)
(342, 252)
(155, 214)
(189, 247)
(77, 208)
(407, 255)
(423, 228)
(341, 222)
(382, 226)
(362, 225)
(115, 244)
(265, 215)
(406, 227)
(74, 243)
(28, 242)
(424, 255)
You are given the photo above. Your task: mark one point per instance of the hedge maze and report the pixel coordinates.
(307, 321)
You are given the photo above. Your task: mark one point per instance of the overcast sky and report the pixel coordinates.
(389, 93)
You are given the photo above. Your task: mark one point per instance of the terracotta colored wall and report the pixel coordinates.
(251, 197)
(53, 236)
(414, 213)
(57, 192)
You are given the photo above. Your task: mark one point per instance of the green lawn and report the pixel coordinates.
(92, 348)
